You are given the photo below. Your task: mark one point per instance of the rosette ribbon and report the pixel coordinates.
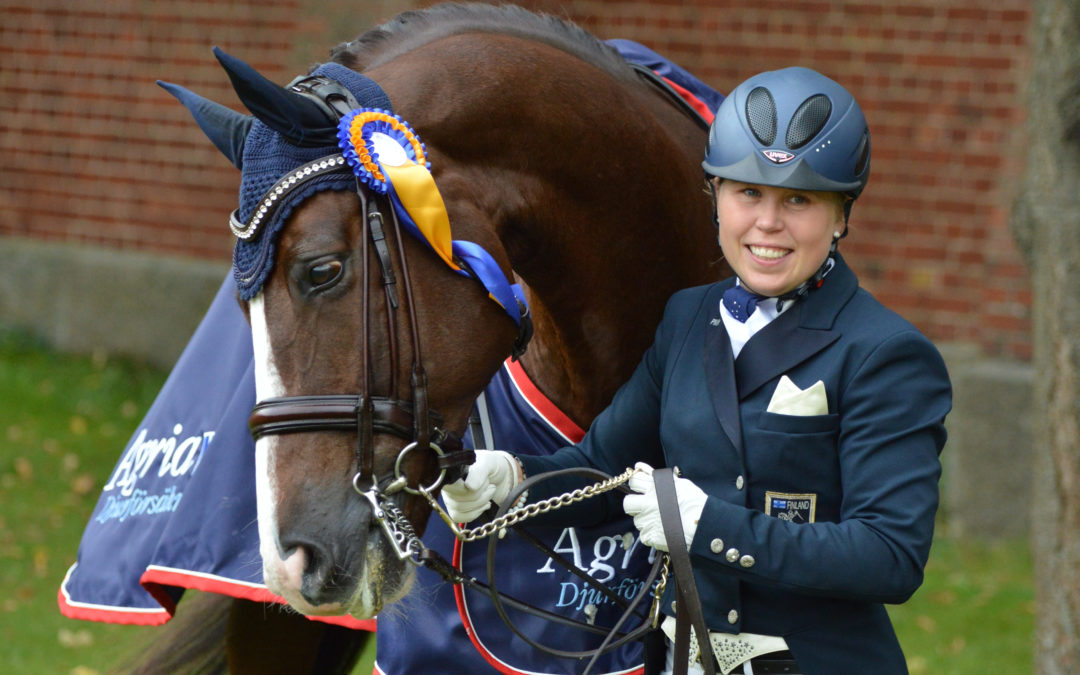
(387, 156)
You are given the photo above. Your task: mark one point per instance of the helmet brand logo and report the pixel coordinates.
(778, 156)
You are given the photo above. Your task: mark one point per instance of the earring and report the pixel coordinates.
(835, 235)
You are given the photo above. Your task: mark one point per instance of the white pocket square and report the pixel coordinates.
(788, 399)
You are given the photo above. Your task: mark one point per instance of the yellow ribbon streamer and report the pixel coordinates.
(417, 192)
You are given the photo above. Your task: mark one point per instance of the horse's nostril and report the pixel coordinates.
(312, 570)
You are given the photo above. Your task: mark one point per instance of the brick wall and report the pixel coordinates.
(95, 153)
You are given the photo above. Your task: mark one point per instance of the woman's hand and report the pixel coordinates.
(645, 508)
(489, 479)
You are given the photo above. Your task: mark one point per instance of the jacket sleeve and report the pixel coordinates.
(892, 410)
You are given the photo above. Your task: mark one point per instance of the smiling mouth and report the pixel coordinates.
(768, 252)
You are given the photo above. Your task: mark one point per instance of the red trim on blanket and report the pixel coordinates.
(543, 406)
(150, 616)
(155, 578)
(696, 103)
(466, 621)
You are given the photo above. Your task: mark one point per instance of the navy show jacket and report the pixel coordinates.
(871, 465)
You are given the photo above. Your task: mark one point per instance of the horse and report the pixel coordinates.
(581, 181)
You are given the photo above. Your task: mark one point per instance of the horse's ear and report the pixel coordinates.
(226, 128)
(299, 119)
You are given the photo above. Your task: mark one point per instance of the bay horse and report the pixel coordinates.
(582, 181)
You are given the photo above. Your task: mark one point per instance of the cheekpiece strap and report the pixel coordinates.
(328, 94)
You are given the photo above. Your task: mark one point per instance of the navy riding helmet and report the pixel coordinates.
(791, 128)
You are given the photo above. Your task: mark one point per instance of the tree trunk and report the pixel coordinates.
(1047, 227)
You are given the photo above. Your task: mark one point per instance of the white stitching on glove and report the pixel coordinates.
(645, 508)
(490, 479)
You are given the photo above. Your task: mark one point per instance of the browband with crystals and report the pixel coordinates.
(276, 194)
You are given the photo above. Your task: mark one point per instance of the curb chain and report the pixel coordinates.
(523, 513)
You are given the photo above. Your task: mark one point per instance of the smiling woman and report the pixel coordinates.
(804, 417)
(776, 238)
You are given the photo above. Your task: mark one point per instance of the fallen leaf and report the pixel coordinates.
(917, 665)
(956, 646)
(41, 563)
(74, 638)
(944, 597)
(82, 484)
(926, 623)
(77, 424)
(23, 468)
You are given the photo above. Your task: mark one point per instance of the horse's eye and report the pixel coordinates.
(324, 274)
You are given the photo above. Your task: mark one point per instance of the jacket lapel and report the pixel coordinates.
(776, 349)
(720, 374)
(797, 334)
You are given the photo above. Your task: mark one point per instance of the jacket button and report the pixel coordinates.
(732, 555)
(732, 616)
(717, 546)
(747, 561)
(739, 482)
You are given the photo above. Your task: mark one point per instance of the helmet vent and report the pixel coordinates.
(863, 154)
(761, 114)
(808, 120)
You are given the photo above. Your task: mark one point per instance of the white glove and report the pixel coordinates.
(645, 509)
(489, 479)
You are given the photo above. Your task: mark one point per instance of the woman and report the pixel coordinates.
(804, 417)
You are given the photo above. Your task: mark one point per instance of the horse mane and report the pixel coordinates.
(415, 28)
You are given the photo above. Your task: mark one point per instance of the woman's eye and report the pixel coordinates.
(751, 192)
(324, 273)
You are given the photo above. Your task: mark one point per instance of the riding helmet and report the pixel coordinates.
(791, 128)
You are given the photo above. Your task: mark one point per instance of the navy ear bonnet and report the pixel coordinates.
(268, 156)
(791, 128)
(288, 131)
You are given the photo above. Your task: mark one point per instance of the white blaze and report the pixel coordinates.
(267, 385)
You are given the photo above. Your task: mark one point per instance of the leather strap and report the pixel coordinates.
(688, 610)
(330, 412)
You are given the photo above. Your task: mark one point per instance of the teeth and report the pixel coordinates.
(763, 252)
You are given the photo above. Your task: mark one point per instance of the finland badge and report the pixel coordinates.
(795, 508)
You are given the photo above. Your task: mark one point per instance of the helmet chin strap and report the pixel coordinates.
(815, 280)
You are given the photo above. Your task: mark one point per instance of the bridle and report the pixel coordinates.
(413, 421)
